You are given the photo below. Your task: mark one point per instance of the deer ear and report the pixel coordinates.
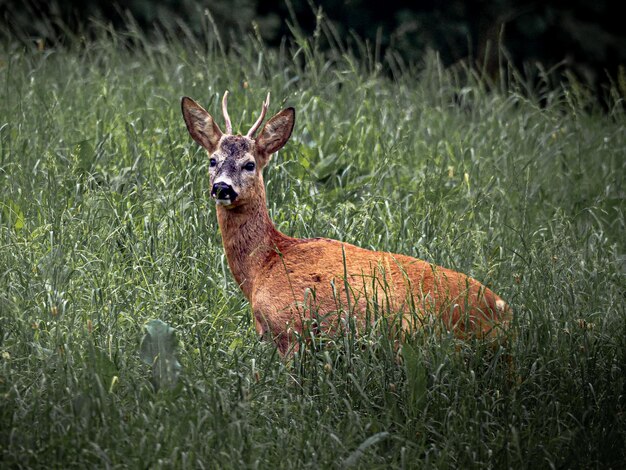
(276, 131)
(200, 124)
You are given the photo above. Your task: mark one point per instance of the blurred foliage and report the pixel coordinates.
(53, 20)
(586, 38)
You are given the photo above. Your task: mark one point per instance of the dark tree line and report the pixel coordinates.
(587, 37)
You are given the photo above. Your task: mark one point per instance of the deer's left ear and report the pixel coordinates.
(276, 132)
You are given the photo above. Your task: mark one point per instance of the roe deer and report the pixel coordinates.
(288, 280)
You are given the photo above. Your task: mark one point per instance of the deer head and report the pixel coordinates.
(236, 161)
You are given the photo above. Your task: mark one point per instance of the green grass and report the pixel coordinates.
(106, 224)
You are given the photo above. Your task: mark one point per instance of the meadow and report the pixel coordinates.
(106, 225)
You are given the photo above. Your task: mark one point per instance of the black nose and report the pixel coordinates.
(222, 190)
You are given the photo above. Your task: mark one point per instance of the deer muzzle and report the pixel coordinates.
(223, 193)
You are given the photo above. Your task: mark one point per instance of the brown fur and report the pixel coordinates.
(289, 281)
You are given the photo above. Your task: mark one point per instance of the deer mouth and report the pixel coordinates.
(223, 202)
(227, 203)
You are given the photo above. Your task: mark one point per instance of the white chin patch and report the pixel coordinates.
(223, 202)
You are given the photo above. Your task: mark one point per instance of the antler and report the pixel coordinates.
(259, 121)
(229, 126)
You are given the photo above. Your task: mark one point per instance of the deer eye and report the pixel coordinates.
(250, 166)
(212, 162)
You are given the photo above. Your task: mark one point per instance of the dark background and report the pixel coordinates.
(585, 37)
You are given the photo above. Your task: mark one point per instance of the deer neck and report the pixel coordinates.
(249, 238)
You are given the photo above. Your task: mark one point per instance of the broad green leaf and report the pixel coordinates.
(158, 349)
(416, 379)
(84, 155)
(354, 457)
(103, 366)
(12, 215)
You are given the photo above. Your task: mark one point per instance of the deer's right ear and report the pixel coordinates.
(200, 124)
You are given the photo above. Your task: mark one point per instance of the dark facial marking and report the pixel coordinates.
(235, 145)
(230, 167)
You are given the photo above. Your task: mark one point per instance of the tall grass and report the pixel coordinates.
(105, 224)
